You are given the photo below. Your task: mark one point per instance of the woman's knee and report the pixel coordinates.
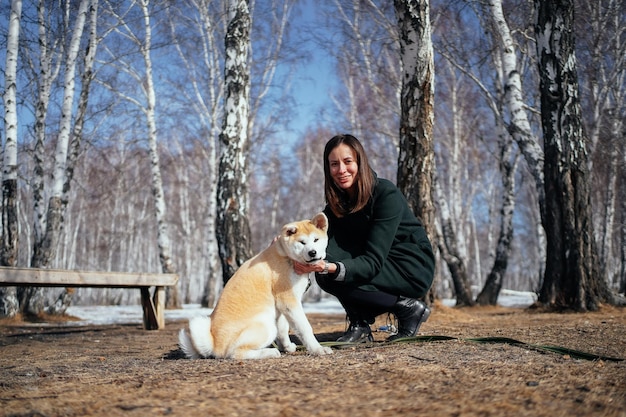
(326, 283)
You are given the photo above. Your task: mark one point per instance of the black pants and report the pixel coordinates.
(360, 305)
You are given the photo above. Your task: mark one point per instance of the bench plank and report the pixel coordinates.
(67, 278)
(153, 306)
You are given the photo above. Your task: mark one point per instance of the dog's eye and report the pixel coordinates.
(316, 239)
(302, 242)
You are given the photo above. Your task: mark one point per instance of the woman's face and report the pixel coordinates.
(343, 167)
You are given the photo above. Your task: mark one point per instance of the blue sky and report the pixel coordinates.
(315, 80)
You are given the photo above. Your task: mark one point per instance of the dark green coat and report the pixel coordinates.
(384, 246)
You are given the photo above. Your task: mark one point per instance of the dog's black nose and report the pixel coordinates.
(312, 253)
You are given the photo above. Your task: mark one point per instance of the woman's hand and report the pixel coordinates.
(302, 269)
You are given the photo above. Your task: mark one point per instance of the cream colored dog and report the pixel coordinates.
(261, 300)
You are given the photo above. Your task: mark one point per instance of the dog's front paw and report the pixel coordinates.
(290, 347)
(320, 350)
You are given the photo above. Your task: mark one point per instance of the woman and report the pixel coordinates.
(379, 258)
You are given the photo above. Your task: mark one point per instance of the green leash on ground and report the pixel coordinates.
(576, 354)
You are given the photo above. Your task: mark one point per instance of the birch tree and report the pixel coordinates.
(163, 239)
(601, 40)
(453, 214)
(501, 89)
(9, 305)
(146, 102)
(203, 91)
(45, 249)
(518, 126)
(416, 159)
(87, 76)
(622, 239)
(572, 278)
(51, 50)
(232, 226)
(196, 25)
(45, 64)
(446, 240)
(508, 167)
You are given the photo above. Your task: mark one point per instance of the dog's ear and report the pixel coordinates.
(320, 221)
(289, 229)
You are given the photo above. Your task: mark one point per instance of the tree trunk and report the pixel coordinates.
(572, 277)
(416, 159)
(622, 239)
(493, 284)
(160, 207)
(450, 235)
(50, 59)
(509, 97)
(50, 63)
(232, 226)
(45, 248)
(65, 298)
(519, 126)
(9, 305)
(610, 201)
(206, 102)
(450, 254)
(622, 234)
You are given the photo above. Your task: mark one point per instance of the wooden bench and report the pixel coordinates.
(153, 305)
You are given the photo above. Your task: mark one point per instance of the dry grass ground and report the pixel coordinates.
(55, 370)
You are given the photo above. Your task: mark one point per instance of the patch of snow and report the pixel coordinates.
(516, 299)
(101, 315)
(507, 298)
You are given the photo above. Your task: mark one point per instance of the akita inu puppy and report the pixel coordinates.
(261, 300)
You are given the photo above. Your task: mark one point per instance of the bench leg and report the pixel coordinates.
(153, 308)
(159, 304)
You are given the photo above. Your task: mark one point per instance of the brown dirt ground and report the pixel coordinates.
(55, 370)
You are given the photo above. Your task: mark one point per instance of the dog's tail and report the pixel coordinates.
(199, 342)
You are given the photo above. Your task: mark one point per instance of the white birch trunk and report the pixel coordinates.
(446, 240)
(233, 231)
(508, 167)
(147, 105)
(519, 126)
(9, 305)
(205, 99)
(9, 163)
(65, 126)
(65, 298)
(457, 169)
(456, 219)
(606, 84)
(610, 200)
(163, 239)
(45, 249)
(416, 158)
(50, 61)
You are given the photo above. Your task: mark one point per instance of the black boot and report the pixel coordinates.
(358, 332)
(359, 328)
(411, 314)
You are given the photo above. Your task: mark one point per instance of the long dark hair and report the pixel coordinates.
(338, 200)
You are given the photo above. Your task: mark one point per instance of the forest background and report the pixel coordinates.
(154, 73)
